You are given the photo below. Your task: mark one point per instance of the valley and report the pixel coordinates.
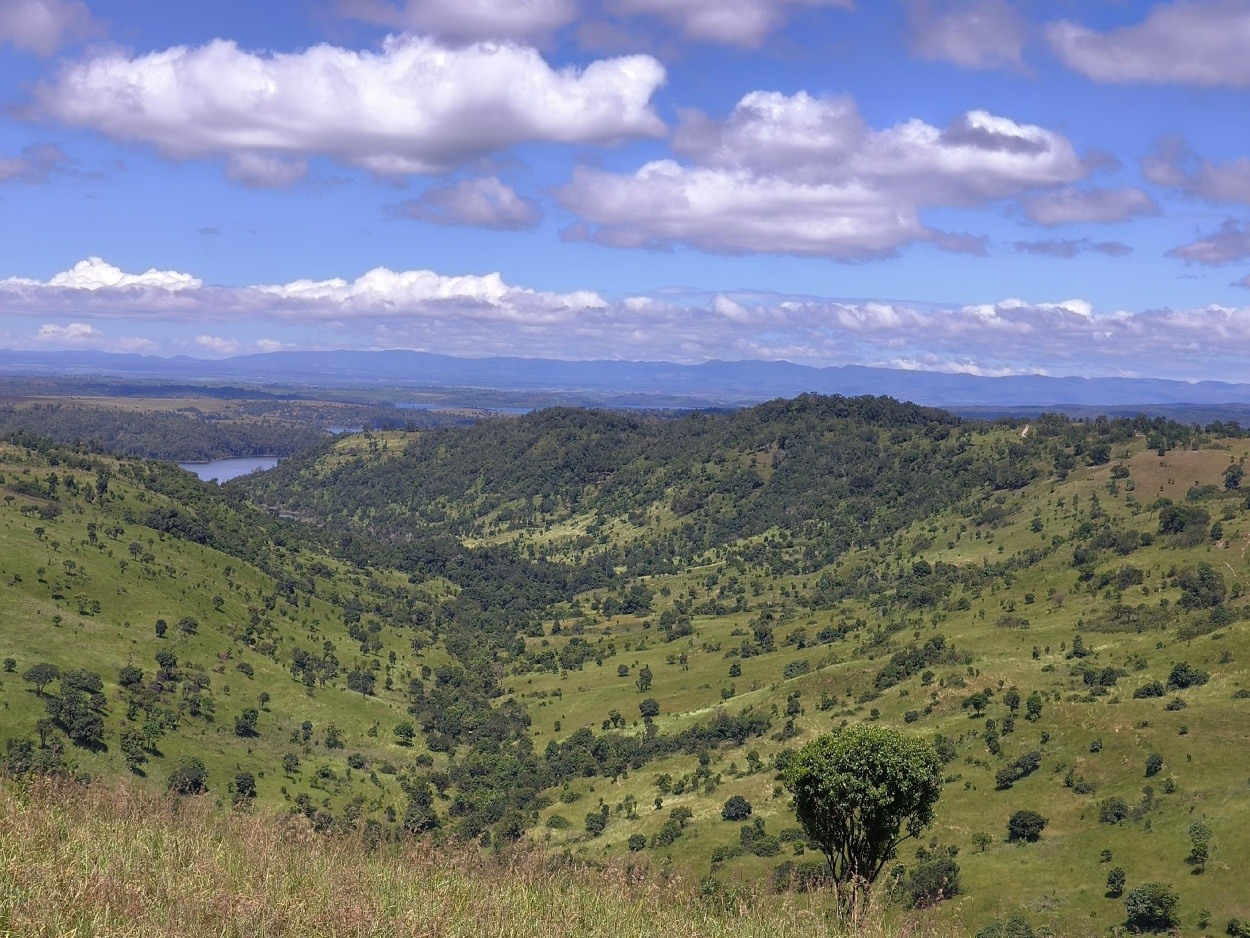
(594, 632)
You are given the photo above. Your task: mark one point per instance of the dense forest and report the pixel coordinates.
(609, 634)
(191, 433)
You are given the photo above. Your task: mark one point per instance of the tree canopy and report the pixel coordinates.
(862, 791)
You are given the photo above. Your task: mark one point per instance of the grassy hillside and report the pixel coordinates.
(100, 861)
(603, 627)
(232, 596)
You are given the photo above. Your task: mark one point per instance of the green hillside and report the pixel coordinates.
(603, 627)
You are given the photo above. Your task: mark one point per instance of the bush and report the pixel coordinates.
(1152, 907)
(1154, 764)
(932, 881)
(1113, 811)
(189, 777)
(1014, 927)
(1153, 689)
(1115, 882)
(1027, 764)
(596, 822)
(736, 808)
(1025, 825)
(1185, 675)
(637, 842)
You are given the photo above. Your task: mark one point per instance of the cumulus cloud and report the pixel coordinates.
(36, 163)
(82, 335)
(217, 345)
(481, 203)
(415, 106)
(805, 175)
(1070, 248)
(730, 22)
(1175, 165)
(44, 26)
(973, 34)
(484, 314)
(467, 20)
(1228, 243)
(94, 274)
(1075, 205)
(1190, 42)
(70, 334)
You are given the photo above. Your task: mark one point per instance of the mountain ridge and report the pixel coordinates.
(710, 383)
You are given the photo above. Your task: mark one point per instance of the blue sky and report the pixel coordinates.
(962, 185)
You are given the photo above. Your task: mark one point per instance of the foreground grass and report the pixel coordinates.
(118, 861)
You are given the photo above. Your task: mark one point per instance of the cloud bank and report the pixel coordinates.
(478, 315)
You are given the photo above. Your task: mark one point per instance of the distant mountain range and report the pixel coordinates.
(638, 384)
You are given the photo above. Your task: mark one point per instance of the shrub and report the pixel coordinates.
(1027, 764)
(1113, 811)
(1152, 907)
(1115, 882)
(1185, 675)
(189, 777)
(736, 808)
(1025, 825)
(1014, 927)
(1154, 764)
(932, 881)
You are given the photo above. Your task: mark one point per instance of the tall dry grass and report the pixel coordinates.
(118, 861)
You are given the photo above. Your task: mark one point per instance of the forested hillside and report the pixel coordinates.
(608, 634)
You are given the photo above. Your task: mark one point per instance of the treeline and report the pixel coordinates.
(188, 434)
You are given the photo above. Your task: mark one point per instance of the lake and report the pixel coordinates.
(223, 470)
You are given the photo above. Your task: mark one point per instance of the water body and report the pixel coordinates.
(223, 470)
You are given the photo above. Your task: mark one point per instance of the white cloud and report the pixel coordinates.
(413, 107)
(804, 175)
(81, 335)
(731, 22)
(1175, 165)
(1189, 42)
(467, 20)
(481, 203)
(95, 274)
(1094, 205)
(71, 333)
(485, 315)
(217, 345)
(44, 26)
(974, 34)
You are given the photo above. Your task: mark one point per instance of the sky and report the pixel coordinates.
(984, 186)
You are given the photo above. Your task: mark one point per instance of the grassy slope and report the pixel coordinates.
(119, 863)
(181, 581)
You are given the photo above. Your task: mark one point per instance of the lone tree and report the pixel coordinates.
(861, 792)
(41, 675)
(1025, 825)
